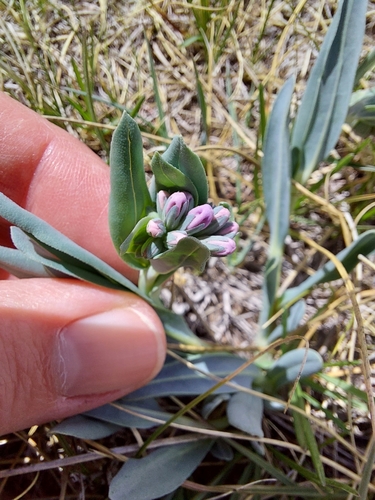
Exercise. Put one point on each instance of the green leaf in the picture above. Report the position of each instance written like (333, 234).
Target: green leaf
(326, 99)
(222, 451)
(176, 327)
(184, 159)
(366, 65)
(364, 245)
(68, 267)
(177, 379)
(69, 255)
(148, 409)
(170, 178)
(276, 170)
(292, 364)
(245, 412)
(295, 316)
(18, 264)
(84, 427)
(188, 252)
(159, 473)
(361, 114)
(129, 198)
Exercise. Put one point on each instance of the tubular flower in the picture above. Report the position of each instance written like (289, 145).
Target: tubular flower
(177, 218)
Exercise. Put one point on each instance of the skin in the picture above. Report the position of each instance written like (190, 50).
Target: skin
(53, 175)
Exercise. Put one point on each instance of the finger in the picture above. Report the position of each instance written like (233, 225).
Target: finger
(50, 173)
(67, 347)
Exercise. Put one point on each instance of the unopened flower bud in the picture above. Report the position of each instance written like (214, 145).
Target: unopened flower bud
(161, 198)
(220, 246)
(173, 237)
(156, 228)
(220, 218)
(221, 215)
(198, 219)
(230, 229)
(175, 209)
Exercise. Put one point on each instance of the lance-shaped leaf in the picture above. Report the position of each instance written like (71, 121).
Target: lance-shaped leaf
(188, 252)
(276, 170)
(363, 245)
(18, 264)
(326, 99)
(177, 379)
(71, 258)
(159, 473)
(130, 198)
(84, 427)
(185, 160)
(276, 173)
(171, 179)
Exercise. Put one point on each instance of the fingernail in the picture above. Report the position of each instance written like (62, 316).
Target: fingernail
(119, 349)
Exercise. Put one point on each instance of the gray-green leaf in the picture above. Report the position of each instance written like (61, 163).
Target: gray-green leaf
(293, 363)
(159, 473)
(130, 198)
(245, 412)
(185, 160)
(84, 427)
(188, 252)
(326, 99)
(171, 178)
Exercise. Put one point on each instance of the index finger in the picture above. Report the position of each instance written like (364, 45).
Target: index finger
(53, 175)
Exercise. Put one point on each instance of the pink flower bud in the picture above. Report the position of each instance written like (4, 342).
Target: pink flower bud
(156, 228)
(174, 237)
(220, 246)
(230, 229)
(198, 219)
(221, 215)
(175, 209)
(161, 198)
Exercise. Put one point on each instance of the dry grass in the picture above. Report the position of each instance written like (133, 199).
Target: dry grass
(80, 64)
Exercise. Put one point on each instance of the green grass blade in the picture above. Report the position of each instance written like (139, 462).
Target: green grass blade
(162, 129)
(366, 65)
(303, 429)
(367, 472)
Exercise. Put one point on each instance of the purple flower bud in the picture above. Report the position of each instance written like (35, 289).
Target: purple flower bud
(221, 215)
(198, 219)
(174, 237)
(230, 229)
(219, 246)
(175, 209)
(161, 198)
(156, 228)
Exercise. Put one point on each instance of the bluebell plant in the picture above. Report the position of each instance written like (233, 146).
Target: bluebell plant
(172, 222)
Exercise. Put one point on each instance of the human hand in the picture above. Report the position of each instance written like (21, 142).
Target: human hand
(65, 346)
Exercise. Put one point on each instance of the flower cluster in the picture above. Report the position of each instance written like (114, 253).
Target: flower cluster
(177, 218)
